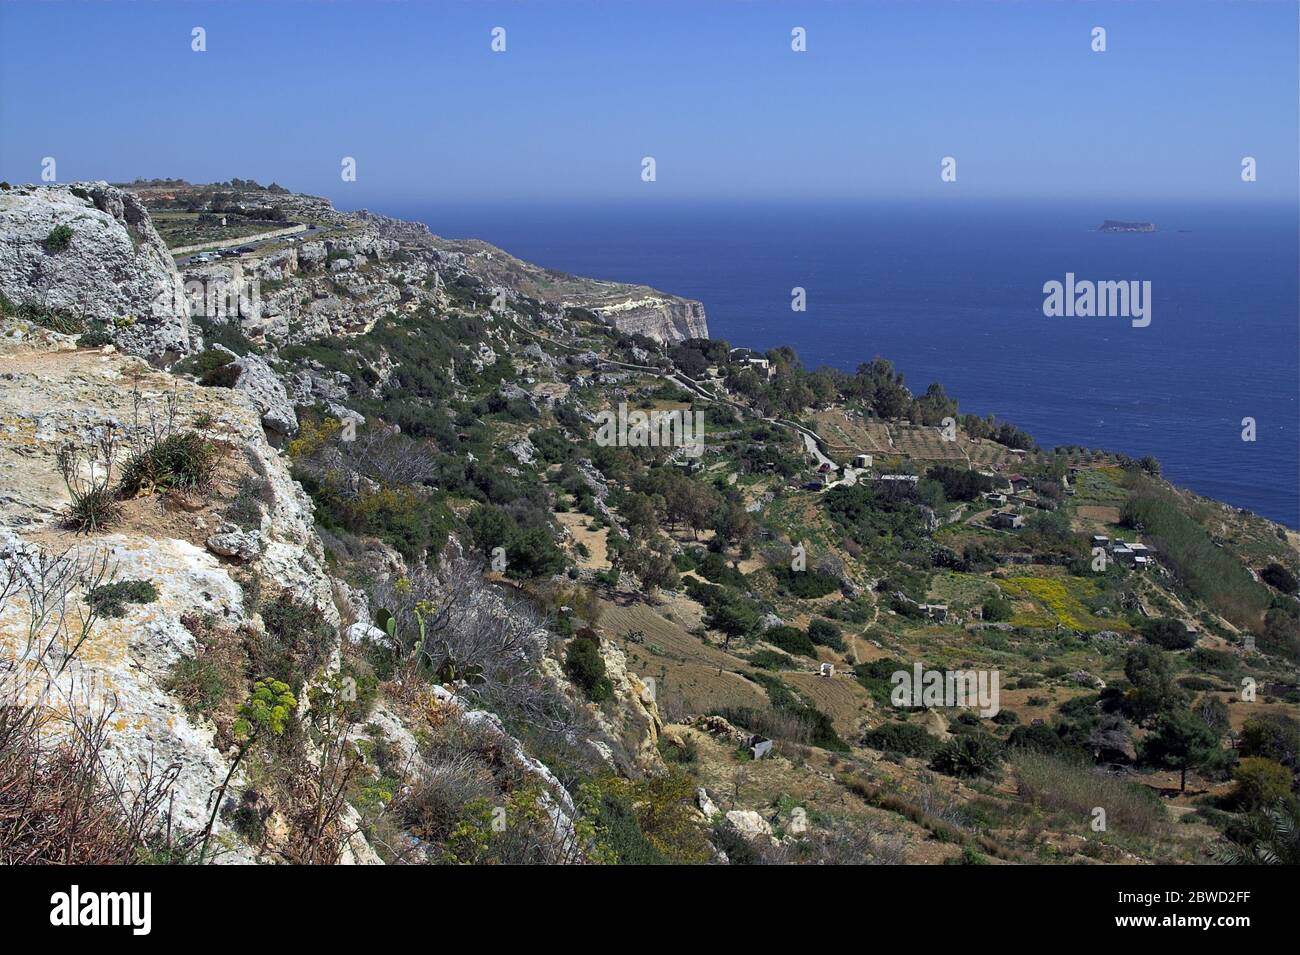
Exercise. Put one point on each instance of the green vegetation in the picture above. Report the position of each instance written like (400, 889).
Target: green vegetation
(586, 668)
(184, 461)
(60, 238)
(1210, 573)
(110, 600)
(906, 739)
(968, 756)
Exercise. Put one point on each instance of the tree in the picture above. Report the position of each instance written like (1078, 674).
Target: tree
(1181, 740)
(825, 633)
(1153, 688)
(1214, 712)
(1279, 578)
(1168, 634)
(1268, 837)
(641, 513)
(652, 565)
(1260, 782)
(1274, 736)
(697, 505)
(997, 608)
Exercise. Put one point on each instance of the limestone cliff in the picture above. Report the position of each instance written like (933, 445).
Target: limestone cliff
(110, 265)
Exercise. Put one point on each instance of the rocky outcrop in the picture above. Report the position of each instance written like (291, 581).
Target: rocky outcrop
(54, 396)
(266, 391)
(113, 267)
(629, 308)
(364, 265)
(661, 317)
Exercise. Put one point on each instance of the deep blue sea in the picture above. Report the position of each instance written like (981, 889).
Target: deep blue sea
(952, 292)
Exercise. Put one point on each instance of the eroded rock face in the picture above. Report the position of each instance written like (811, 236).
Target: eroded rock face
(264, 388)
(115, 267)
(53, 397)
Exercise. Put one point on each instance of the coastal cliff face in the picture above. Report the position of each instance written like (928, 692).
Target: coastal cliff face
(112, 268)
(198, 554)
(227, 582)
(335, 279)
(359, 580)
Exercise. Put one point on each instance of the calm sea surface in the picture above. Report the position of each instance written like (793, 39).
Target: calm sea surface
(952, 292)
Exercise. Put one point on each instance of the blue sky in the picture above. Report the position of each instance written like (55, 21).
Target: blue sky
(711, 90)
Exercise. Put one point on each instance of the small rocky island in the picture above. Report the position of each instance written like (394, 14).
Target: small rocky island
(1117, 225)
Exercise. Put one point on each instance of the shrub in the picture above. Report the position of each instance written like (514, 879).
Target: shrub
(203, 362)
(88, 476)
(95, 338)
(56, 319)
(1167, 633)
(296, 641)
(60, 238)
(876, 677)
(1260, 782)
(436, 801)
(968, 756)
(201, 683)
(1273, 736)
(826, 634)
(110, 600)
(905, 738)
(770, 660)
(997, 608)
(791, 640)
(586, 668)
(1279, 578)
(223, 376)
(805, 584)
(184, 461)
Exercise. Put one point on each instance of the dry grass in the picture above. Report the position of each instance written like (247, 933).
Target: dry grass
(1078, 790)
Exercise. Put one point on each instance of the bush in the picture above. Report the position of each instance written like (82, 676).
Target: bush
(586, 668)
(1279, 578)
(95, 338)
(1167, 633)
(297, 641)
(183, 462)
(968, 756)
(1260, 782)
(1274, 736)
(826, 634)
(791, 640)
(110, 600)
(997, 608)
(204, 361)
(876, 678)
(805, 584)
(770, 660)
(223, 376)
(88, 476)
(1076, 789)
(60, 238)
(202, 682)
(907, 739)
